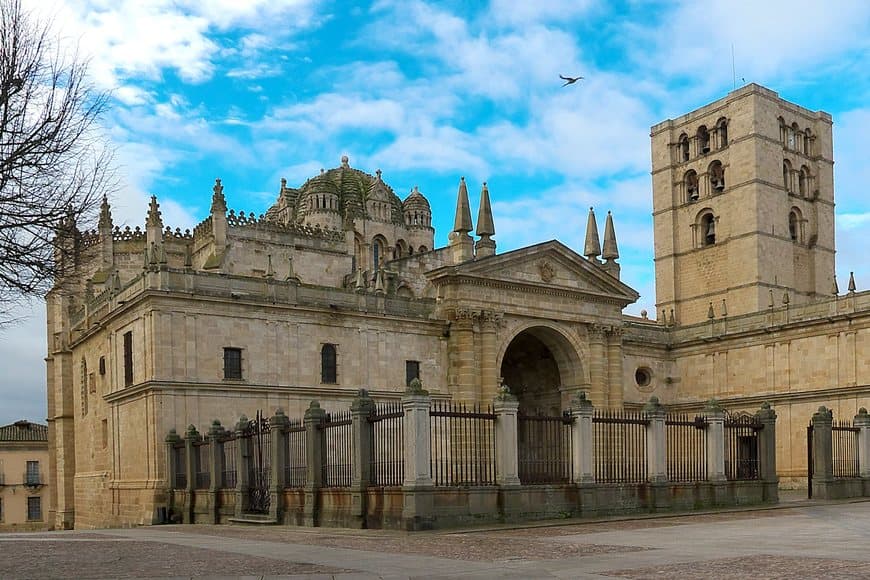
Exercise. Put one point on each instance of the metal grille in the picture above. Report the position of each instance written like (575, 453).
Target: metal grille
(388, 444)
(202, 456)
(179, 459)
(295, 465)
(687, 447)
(620, 446)
(844, 439)
(741, 446)
(230, 451)
(463, 445)
(337, 450)
(544, 448)
(259, 435)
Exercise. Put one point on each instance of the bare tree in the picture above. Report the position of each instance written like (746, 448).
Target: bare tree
(55, 165)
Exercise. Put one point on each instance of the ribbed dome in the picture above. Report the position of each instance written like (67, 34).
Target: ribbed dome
(416, 202)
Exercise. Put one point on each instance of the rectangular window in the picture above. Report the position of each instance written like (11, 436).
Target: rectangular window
(34, 509)
(31, 477)
(328, 364)
(128, 358)
(232, 363)
(412, 371)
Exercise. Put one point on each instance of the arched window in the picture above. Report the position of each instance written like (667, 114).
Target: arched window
(684, 147)
(378, 253)
(707, 225)
(722, 127)
(328, 364)
(803, 181)
(793, 225)
(401, 249)
(717, 176)
(786, 175)
(691, 182)
(792, 136)
(808, 143)
(422, 250)
(703, 139)
(783, 131)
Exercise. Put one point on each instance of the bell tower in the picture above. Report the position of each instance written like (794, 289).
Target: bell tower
(743, 206)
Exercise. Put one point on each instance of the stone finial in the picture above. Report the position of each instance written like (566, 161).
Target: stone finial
(580, 401)
(154, 218)
(216, 429)
(172, 436)
(785, 298)
(242, 423)
(415, 387)
(291, 273)
(766, 412)
(710, 314)
(504, 393)
(835, 290)
(672, 320)
(345, 162)
(314, 412)
(485, 225)
(462, 219)
(823, 414)
(360, 281)
(362, 403)
(592, 247)
(191, 432)
(611, 251)
(862, 419)
(116, 282)
(218, 201)
(380, 286)
(713, 406)
(852, 286)
(283, 183)
(724, 309)
(270, 271)
(279, 419)
(105, 223)
(653, 406)
(378, 174)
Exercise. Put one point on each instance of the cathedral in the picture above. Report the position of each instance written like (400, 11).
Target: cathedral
(339, 286)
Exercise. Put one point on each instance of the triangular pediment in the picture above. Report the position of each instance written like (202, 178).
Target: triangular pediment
(549, 264)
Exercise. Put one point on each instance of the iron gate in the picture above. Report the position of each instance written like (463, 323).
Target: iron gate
(259, 436)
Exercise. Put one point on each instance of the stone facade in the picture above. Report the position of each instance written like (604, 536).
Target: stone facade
(24, 477)
(338, 287)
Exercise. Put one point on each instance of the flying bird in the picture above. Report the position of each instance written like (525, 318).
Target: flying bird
(569, 80)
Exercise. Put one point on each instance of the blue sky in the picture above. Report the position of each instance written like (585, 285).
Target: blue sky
(252, 91)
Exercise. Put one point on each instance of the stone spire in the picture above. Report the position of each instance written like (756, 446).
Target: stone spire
(592, 247)
(852, 285)
(218, 201)
(219, 218)
(105, 223)
(485, 227)
(461, 243)
(107, 243)
(462, 221)
(154, 223)
(611, 251)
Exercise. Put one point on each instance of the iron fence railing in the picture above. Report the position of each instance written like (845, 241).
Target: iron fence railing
(295, 467)
(544, 448)
(844, 440)
(230, 451)
(337, 450)
(462, 445)
(202, 464)
(741, 446)
(388, 444)
(620, 446)
(179, 460)
(686, 448)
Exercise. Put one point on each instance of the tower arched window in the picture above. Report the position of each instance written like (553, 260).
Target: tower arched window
(707, 225)
(703, 137)
(803, 181)
(717, 176)
(783, 131)
(808, 143)
(328, 364)
(684, 147)
(378, 252)
(793, 225)
(691, 183)
(786, 175)
(792, 136)
(722, 128)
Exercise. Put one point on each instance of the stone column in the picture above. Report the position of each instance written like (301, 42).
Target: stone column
(418, 487)
(362, 407)
(190, 437)
(767, 452)
(488, 371)
(715, 441)
(656, 455)
(597, 388)
(172, 439)
(506, 452)
(215, 453)
(862, 422)
(314, 416)
(583, 450)
(823, 454)
(278, 431)
(243, 455)
(462, 343)
(615, 395)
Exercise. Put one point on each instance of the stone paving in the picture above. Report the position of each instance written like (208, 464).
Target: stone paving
(802, 540)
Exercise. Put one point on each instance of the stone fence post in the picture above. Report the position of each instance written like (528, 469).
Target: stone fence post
(582, 441)
(862, 422)
(278, 432)
(823, 453)
(506, 407)
(314, 416)
(216, 434)
(190, 437)
(656, 454)
(172, 440)
(361, 409)
(767, 452)
(243, 454)
(417, 489)
(715, 441)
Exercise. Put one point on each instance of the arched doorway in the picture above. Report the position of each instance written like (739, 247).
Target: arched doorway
(539, 365)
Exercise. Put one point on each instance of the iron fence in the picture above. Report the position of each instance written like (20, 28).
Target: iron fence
(295, 465)
(202, 463)
(544, 446)
(844, 439)
(337, 450)
(388, 444)
(463, 444)
(686, 447)
(620, 446)
(741, 446)
(258, 434)
(179, 458)
(229, 452)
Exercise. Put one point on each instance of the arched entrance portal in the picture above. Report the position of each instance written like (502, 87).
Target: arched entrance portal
(538, 366)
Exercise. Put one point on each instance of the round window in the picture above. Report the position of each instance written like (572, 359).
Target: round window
(643, 377)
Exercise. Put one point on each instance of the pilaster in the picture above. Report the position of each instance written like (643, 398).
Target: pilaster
(616, 391)
(314, 416)
(418, 505)
(362, 407)
(823, 460)
(278, 430)
(597, 366)
(489, 322)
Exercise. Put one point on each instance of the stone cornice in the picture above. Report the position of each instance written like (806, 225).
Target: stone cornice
(787, 397)
(529, 287)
